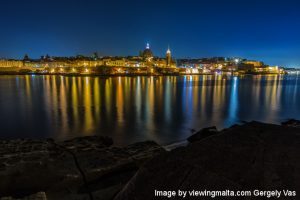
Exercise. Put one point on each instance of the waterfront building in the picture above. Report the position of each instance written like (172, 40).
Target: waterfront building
(134, 63)
(254, 63)
(11, 63)
(87, 63)
(118, 62)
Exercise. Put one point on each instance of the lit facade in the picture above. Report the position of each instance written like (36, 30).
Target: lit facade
(11, 63)
(254, 63)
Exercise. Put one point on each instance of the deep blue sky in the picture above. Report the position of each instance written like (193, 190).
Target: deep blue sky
(267, 30)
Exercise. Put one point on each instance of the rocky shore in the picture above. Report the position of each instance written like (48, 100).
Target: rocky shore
(75, 169)
(249, 157)
(243, 157)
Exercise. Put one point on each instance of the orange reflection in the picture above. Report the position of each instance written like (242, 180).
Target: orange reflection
(87, 99)
(63, 104)
(120, 101)
(75, 102)
(97, 97)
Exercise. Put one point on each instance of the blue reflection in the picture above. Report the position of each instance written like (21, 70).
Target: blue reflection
(167, 102)
(233, 105)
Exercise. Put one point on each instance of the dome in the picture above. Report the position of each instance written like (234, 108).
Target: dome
(147, 53)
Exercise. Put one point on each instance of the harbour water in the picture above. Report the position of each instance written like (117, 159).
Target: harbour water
(165, 109)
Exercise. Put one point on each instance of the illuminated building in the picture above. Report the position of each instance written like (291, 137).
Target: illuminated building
(11, 63)
(254, 63)
(88, 63)
(116, 62)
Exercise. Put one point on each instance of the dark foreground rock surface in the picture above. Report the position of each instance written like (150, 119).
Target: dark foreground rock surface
(244, 157)
(29, 168)
(292, 123)
(204, 133)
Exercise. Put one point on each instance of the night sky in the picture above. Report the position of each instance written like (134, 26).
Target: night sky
(267, 30)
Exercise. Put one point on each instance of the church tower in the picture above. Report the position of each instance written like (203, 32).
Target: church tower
(168, 58)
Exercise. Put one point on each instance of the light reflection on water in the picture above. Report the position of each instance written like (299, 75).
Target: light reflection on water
(131, 109)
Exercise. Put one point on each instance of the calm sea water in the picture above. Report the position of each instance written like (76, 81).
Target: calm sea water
(131, 109)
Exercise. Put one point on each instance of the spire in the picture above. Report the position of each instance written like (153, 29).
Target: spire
(168, 51)
(147, 46)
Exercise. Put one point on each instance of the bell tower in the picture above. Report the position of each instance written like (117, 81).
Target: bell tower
(168, 58)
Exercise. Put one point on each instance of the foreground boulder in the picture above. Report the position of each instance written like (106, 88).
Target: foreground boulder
(72, 169)
(253, 156)
(204, 133)
(292, 123)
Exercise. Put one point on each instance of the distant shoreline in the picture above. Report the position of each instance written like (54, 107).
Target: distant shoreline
(130, 75)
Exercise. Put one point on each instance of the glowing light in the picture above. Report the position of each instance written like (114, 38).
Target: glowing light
(73, 69)
(192, 71)
(168, 51)
(61, 69)
(52, 71)
(195, 71)
(147, 46)
(206, 70)
(218, 73)
(236, 60)
(86, 70)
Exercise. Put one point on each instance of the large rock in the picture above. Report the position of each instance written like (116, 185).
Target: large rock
(246, 157)
(292, 123)
(204, 133)
(31, 166)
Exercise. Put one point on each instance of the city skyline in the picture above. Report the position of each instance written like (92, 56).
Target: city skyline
(256, 30)
(140, 54)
